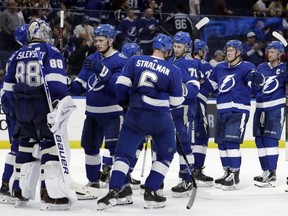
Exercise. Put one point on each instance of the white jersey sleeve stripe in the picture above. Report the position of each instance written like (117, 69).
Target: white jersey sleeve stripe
(124, 81)
(8, 86)
(53, 77)
(176, 101)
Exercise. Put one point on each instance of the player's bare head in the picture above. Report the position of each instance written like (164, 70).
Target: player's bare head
(181, 43)
(39, 31)
(149, 13)
(275, 51)
(163, 43)
(104, 36)
(233, 49)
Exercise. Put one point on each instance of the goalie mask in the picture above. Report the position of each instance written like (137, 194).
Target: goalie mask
(39, 31)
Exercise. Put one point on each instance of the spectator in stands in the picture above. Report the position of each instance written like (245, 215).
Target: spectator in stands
(194, 6)
(262, 7)
(252, 52)
(75, 60)
(157, 9)
(93, 9)
(44, 9)
(256, 11)
(126, 31)
(9, 22)
(84, 29)
(221, 8)
(275, 8)
(147, 28)
(120, 13)
(218, 57)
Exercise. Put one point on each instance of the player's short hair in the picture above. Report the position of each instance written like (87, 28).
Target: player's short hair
(21, 34)
(162, 42)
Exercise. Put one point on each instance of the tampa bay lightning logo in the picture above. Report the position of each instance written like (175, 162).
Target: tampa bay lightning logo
(271, 84)
(94, 84)
(226, 83)
(132, 31)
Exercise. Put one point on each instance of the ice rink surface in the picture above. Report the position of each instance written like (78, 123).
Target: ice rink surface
(248, 200)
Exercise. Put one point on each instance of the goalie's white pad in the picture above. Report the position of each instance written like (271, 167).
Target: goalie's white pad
(55, 184)
(58, 119)
(28, 179)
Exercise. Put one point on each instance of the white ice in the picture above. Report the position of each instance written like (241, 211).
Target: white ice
(248, 200)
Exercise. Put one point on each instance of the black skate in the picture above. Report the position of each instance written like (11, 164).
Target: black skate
(105, 176)
(109, 200)
(219, 181)
(159, 191)
(5, 196)
(183, 189)
(201, 179)
(81, 196)
(267, 179)
(135, 184)
(231, 181)
(125, 197)
(50, 204)
(20, 201)
(153, 200)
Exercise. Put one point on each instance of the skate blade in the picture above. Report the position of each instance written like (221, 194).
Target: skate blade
(20, 204)
(204, 184)
(5, 199)
(229, 188)
(104, 184)
(154, 205)
(101, 206)
(86, 197)
(125, 201)
(54, 207)
(265, 184)
(135, 186)
(181, 195)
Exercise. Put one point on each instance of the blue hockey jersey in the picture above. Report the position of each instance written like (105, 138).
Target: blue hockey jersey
(126, 30)
(149, 82)
(234, 91)
(272, 93)
(24, 67)
(100, 97)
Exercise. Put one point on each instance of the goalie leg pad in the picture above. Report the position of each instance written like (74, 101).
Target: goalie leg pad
(28, 179)
(55, 184)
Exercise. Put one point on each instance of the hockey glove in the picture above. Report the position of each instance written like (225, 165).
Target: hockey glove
(98, 68)
(257, 79)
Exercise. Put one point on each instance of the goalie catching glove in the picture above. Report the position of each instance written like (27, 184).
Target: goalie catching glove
(56, 119)
(100, 70)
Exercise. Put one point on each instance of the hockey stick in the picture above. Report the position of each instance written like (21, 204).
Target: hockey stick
(284, 42)
(204, 21)
(194, 188)
(145, 154)
(59, 139)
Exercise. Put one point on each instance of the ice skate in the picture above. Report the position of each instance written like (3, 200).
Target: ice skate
(81, 196)
(183, 189)
(153, 200)
(20, 201)
(50, 204)
(231, 181)
(159, 191)
(105, 176)
(125, 197)
(109, 200)
(218, 182)
(135, 184)
(5, 196)
(267, 179)
(201, 179)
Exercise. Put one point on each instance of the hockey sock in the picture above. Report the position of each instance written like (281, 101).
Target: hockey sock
(234, 155)
(223, 156)
(262, 152)
(272, 152)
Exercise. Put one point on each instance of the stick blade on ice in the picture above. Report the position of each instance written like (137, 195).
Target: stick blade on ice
(192, 198)
(202, 23)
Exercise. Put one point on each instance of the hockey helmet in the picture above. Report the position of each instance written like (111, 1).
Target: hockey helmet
(130, 49)
(21, 34)
(162, 42)
(39, 30)
(105, 30)
(237, 44)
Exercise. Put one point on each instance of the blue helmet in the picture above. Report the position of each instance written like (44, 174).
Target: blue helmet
(276, 45)
(162, 42)
(105, 30)
(234, 43)
(182, 37)
(200, 45)
(21, 34)
(130, 49)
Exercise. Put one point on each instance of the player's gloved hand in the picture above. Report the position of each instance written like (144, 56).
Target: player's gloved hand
(184, 90)
(69, 81)
(284, 74)
(52, 115)
(257, 79)
(94, 65)
(201, 77)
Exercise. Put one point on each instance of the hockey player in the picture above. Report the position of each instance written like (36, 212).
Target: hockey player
(231, 79)
(20, 35)
(269, 82)
(181, 114)
(149, 85)
(201, 127)
(103, 113)
(25, 91)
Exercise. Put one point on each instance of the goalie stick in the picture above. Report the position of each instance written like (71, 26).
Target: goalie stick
(59, 138)
(284, 42)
